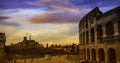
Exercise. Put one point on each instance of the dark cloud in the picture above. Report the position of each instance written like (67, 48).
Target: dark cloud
(3, 17)
(68, 17)
(8, 23)
(11, 4)
(58, 17)
(94, 3)
(55, 4)
(3, 22)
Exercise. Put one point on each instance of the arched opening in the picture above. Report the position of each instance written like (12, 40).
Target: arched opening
(101, 55)
(88, 54)
(119, 26)
(87, 38)
(83, 38)
(92, 36)
(80, 37)
(111, 55)
(99, 32)
(93, 54)
(86, 22)
(109, 29)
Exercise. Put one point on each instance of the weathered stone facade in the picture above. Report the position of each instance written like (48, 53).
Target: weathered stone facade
(99, 36)
(2, 46)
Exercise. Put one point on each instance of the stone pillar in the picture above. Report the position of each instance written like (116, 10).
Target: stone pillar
(2, 46)
(97, 56)
(117, 54)
(80, 38)
(95, 33)
(89, 26)
(85, 37)
(82, 54)
(115, 25)
(89, 37)
(86, 54)
(90, 55)
(2, 53)
(106, 56)
(104, 30)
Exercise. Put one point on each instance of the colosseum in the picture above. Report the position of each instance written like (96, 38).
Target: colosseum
(99, 36)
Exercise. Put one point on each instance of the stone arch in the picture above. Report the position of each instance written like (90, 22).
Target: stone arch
(80, 37)
(92, 35)
(101, 55)
(88, 54)
(87, 37)
(109, 29)
(83, 37)
(93, 54)
(111, 56)
(119, 27)
(99, 32)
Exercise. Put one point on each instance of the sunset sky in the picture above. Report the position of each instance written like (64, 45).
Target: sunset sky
(48, 21)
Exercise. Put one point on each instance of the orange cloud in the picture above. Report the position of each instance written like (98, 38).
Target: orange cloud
(54, 4)
(57, 17)
(39, 19)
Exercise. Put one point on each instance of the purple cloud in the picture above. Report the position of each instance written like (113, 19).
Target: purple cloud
(3, 22)
(94, 3)
(58, 17)
(3, 17)
(54, 4)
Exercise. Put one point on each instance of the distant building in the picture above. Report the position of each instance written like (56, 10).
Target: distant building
(27, 44)
(47, 45)
(2, 45)
(99, 36)
(55, 46)
(71, 48)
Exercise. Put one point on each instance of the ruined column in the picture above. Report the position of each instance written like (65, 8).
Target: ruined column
(115, 25)
(95, 33)
(104, 34)
(104, 30)
(97, 56)
(90, 55)
(2, 46)
(89, 37)
(106, 58)
(85, 37)
(89, 25)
